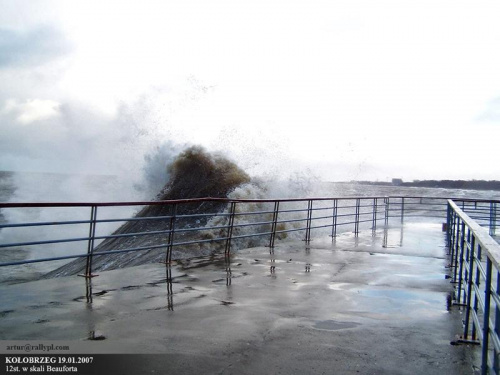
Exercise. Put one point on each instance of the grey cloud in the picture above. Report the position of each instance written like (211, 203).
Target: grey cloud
(32, 47)
(77, 139)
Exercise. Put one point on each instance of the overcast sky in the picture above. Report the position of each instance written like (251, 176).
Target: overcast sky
(346, 89)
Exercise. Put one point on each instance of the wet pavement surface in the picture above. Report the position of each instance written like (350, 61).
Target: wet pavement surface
(378, 303)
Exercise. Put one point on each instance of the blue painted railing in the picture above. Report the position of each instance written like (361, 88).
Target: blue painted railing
(475, 264)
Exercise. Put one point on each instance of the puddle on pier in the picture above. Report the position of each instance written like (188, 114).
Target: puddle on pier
(334, 325)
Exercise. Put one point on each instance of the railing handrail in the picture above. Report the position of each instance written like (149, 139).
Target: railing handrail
(222, 200)
(488, 244)
(475, 256)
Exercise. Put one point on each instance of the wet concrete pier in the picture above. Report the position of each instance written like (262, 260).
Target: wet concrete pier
(377, 303)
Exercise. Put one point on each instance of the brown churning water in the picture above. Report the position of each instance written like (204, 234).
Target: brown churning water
(195, 173)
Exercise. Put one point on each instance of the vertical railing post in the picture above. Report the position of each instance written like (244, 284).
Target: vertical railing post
(171, 233)
(456, 229)
(385, 238)
(453, 228)
(486, 318)
(374, 214)
(477, 283)
(469, 287)
(456, 248)
(461, 263)
(496, 360)
(309, 220)
(468, 249)
(356, 217)
(387, 203)
(493, 218)
(230, 226)
(334, 216)
(402, 209)
(90, 245)
(274, 223)
(451, 240)
(448, 224)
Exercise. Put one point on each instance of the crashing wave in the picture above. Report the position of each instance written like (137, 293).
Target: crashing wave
(195, 173)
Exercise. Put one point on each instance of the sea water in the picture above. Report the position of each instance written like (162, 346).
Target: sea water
(23, 187)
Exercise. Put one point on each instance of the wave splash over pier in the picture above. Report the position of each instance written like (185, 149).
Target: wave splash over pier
(194, 173)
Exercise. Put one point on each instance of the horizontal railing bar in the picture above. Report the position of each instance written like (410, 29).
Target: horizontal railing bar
(368, 221)
(254, 213)
(142, 218)
(290, 230)
(430, 216)
(169, 202)
(477, 291)
(44, 223)
(290, 221)
(114, 236)
(343, 207)
(293, 210)
(152, 247)
(478, 264)
(422, 208)
(426, 204)
(138, 234)
(496, 297)
(321, 226)
(344, 215)
(478, 210)
(164, 232)
(31, 243)
(108, 252)
(365, 213)
(252, 235)
(330, 225)
(494, 337)
(353, 222)
(29, 261)
(466, 265)
(322, 217)
(211, 199)
(476, 214)
(479, 331)
(249, 224)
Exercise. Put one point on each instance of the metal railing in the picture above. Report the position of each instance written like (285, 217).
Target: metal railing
(180, 224)
(485, 213)
(475, 264)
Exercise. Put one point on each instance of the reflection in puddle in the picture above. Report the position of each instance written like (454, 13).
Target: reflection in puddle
(407, 304)
(385, 241)
(338, 286)
(170, 292)
(402, 295)
(229, 273)
(334, 325)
